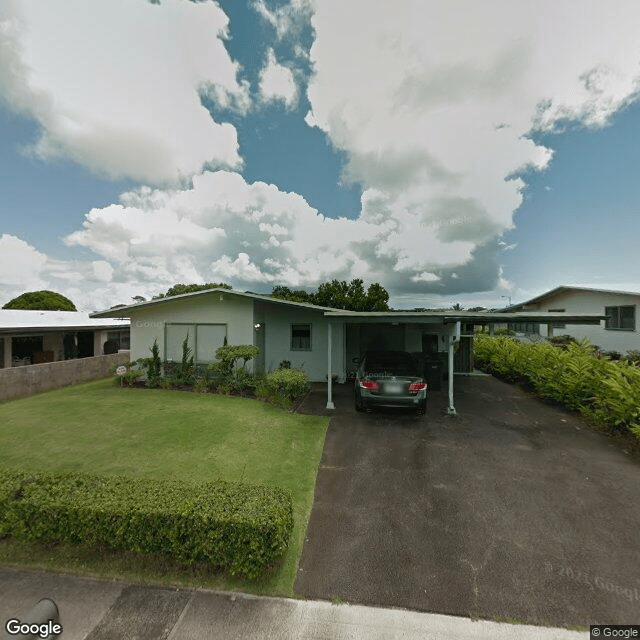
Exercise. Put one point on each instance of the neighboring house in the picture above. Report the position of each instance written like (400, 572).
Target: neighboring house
(319, 340)
(619, 331)
(34, 337)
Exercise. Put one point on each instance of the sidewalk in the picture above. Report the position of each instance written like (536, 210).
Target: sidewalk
(93, 609)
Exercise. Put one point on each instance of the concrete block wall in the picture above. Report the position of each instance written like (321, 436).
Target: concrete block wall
(17, 382)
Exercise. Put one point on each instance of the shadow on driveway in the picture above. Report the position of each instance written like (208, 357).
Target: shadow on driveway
(512, 510)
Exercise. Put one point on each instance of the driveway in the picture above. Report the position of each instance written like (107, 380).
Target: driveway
(512, 510)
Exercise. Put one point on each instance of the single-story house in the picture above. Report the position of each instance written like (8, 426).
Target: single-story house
(320, 340)
(617, 332)
(33, 337)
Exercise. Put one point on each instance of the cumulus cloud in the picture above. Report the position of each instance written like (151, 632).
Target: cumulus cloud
(434, 105)
(89, 284)
(115, 86)
(277, 82)
(289, 19)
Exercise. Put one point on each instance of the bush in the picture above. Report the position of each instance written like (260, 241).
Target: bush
(133, 372)
(284, 385)
(238, 527)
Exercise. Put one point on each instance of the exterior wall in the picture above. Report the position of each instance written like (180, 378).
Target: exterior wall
(17, 382)
(278, 318)
(149, 324)
(593, 302)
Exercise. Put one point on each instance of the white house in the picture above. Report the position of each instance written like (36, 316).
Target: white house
(617, 332)
(33, 337)
(319, 340)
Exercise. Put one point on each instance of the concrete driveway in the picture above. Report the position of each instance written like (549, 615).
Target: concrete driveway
(512, 510)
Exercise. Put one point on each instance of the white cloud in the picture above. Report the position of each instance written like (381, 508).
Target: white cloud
(287, 19)
(277, 82)
(115, 86)
(88, 284)
(431, 103)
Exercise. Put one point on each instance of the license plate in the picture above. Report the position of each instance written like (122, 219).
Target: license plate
(393, 388)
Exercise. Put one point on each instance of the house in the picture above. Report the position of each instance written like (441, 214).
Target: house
(34, 337)
(320, 340)
(617, 332)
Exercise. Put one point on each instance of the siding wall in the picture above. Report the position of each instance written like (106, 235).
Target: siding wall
(149, 324)
(278, 318)
(594, 302)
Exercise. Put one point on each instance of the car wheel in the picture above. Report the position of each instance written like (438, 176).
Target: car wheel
(422, 408)
(359, 406)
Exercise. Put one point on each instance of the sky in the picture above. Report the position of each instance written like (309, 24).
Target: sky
(454, 152)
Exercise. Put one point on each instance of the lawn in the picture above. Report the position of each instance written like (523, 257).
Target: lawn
(104, 429)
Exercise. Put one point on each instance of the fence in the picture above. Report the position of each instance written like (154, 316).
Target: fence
(16, 382)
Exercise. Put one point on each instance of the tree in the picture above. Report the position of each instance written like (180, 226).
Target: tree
(340, 295)
(284, 293)
(179, 289)
(41, 300)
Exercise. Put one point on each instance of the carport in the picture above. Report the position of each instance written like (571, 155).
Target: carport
(425, 332)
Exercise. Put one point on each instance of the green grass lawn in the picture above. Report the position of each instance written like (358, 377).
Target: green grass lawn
(102, 428)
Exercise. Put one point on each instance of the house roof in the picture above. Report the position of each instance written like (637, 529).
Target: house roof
(12, 320)
(446, 316)
(126, 311)
(564, 289)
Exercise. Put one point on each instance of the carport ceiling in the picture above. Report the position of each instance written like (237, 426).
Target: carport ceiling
(468, 317)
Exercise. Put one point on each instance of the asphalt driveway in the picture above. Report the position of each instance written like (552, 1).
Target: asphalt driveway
(512, 510)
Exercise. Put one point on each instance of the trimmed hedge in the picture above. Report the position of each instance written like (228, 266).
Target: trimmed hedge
(606, 391)
(238, 527)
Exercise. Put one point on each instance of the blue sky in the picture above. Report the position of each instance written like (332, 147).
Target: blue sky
(452, 152)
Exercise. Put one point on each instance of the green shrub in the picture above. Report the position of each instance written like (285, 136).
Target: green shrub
(228, 356)
(239, 527)
(133, 372)
(284, 385)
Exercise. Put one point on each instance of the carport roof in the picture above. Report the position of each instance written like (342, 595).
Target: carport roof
(469, 317)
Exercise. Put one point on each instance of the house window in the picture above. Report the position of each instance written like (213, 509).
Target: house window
(300, 337)
(204, 340)
(622, 318)
(558, 325)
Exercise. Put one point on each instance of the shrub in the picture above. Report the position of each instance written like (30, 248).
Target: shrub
(186, 371)
(228, 355)
(238, 527)
(133, 372)
(153, 366)
(284, 385)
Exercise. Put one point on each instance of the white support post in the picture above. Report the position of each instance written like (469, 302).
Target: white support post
(330, 404)
(451, 410)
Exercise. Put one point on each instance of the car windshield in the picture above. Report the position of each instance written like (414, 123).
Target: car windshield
(389, 364)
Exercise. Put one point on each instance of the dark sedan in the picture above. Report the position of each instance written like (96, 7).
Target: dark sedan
(389, 379)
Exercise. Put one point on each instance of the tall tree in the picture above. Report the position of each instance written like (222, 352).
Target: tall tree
(340, 295)
(41, 300)
(179, 289)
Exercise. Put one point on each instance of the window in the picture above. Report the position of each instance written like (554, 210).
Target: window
(558, 325)
(300, 337)
(204, 340)
(623, 318)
